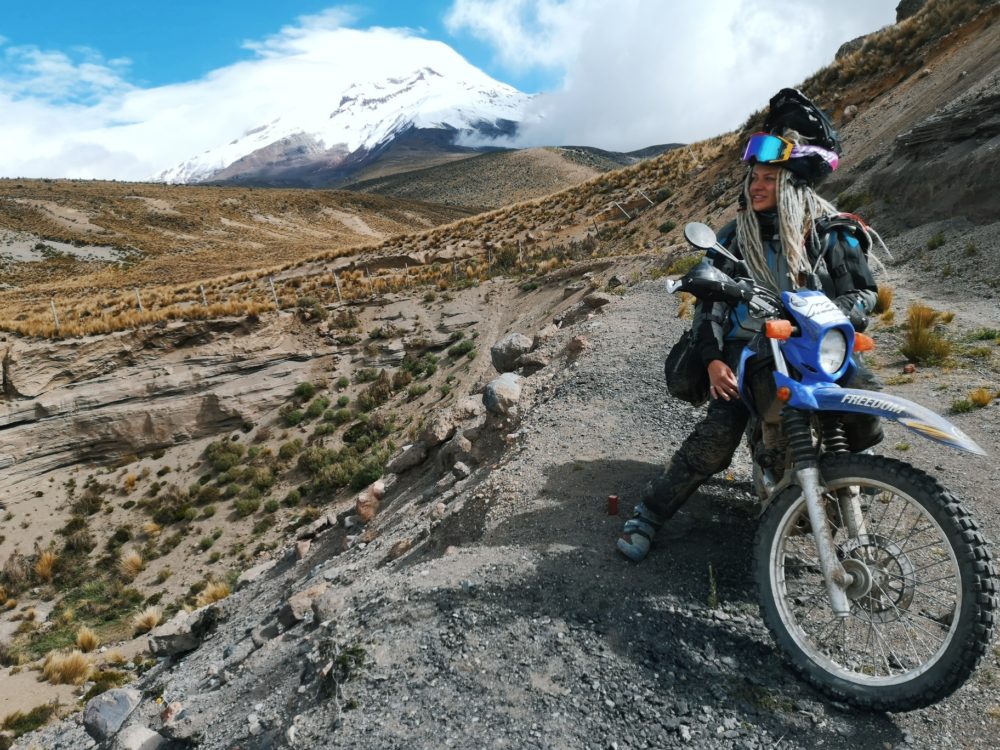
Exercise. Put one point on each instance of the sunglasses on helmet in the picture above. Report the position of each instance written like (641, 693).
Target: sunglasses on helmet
(768, 148)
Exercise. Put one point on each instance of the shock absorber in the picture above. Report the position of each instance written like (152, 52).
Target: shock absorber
(799, 435)
(834, 438)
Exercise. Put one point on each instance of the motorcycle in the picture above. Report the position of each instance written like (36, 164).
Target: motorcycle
(873, 579)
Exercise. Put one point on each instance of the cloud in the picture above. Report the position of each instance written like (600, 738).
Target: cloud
(639, 72)
(73, 114)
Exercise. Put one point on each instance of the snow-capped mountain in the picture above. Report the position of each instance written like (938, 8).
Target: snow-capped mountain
(375, 91)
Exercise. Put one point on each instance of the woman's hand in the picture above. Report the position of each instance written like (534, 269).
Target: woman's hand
(722, 380)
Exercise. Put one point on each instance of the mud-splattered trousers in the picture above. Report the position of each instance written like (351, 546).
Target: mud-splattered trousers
(706, 451)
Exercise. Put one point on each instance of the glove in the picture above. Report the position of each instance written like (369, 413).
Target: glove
(852, 306)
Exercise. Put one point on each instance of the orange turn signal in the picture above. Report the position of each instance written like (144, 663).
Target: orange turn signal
(863, 343)
(784, 394)
(778, 329)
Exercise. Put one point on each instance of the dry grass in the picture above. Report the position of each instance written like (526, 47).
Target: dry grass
(151, 529)
(883, 302)
(212, 593)
(72, 668)
(923, 344)
(981, 397)
(45, 566)
(130, 564)
(146, 620)
(87, 640)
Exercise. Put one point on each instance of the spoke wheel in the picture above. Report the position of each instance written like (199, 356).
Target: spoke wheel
(923, 594)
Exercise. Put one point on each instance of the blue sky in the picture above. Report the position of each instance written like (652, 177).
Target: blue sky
(115, 89)
(186, 39)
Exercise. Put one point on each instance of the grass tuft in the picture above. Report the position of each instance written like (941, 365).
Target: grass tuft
(981, 397)
(87, 640)
(130, 564)
(146, 620)
(45, 566)
(71, 668)
(212, 593)
(923, 344)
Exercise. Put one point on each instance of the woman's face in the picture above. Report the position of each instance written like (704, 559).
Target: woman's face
(764, 187)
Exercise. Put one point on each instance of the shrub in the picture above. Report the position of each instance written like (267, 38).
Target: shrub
(417, 390)
(86, 640)
(375, 394)
(984, 334)
(923, 344)
(21, 723)
(667, 226)
(461, 348)
(936, 241)
(292, 498)
(224, 454)
(146, 620)
(365, 375)
(293, 417)
(343, 401)
(342, 382)
(317, 407)
(304, 391)
(271, 506)
(961, 406)
(401, 379)
(246, 506)
(683, 265)
(290, 450)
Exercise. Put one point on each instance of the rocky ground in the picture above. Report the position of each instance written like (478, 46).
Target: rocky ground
(496, 613)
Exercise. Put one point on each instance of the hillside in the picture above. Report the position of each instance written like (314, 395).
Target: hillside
(489, 181)
(478, 601)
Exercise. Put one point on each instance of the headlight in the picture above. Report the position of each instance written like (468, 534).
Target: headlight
(832, 351)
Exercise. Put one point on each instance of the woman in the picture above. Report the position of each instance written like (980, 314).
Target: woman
(785, 241)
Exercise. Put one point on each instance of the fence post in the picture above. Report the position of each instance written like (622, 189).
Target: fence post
(622, 210)
(647, 198)
(270, 283)
(336, 280)
(138, 299)
(519, 254)
(204, 301)
(55, 316)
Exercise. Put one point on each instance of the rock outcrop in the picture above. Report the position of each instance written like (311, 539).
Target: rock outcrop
(105, 397)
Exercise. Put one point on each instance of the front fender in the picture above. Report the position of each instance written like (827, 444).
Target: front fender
(911, 415)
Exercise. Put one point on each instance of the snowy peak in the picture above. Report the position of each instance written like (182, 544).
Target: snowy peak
(368, 98)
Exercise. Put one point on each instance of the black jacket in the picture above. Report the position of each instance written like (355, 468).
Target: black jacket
(842, 274)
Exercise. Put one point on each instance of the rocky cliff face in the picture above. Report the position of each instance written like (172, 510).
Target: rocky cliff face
(106, 397)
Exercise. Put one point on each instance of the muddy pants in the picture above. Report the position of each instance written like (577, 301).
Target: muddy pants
(706, 451)
(710, 447)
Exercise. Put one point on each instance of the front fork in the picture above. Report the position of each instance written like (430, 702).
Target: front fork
(838, 580)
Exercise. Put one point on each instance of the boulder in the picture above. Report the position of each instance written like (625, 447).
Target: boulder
(327, 606)
(459, 448)
(544, 336)
(850, 112)
(183, 632)
(508, 350)
(502, 394)
(468, 408)
(138, 737)
(577, 344)
(317, 527)
(300, 604)
(253, 574)
(367, 502)
(596, 300)
(411, 455)
(534, 361)
(105, 713)
(440, 427)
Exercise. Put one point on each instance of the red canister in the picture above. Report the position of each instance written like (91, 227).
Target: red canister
(612, 505)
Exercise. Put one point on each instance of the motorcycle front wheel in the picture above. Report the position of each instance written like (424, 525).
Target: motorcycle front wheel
(923, 596)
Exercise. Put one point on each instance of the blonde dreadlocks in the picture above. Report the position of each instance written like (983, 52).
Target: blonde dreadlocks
(799, 208)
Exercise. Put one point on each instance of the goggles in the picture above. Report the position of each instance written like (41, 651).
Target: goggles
(773, 149)
(768, 148)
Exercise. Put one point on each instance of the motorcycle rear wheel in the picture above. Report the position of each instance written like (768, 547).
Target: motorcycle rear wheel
(922, 613)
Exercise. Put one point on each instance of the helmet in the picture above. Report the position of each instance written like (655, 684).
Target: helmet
(815, 157)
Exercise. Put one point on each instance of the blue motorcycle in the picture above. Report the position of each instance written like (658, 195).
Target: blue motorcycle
(874, 580)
